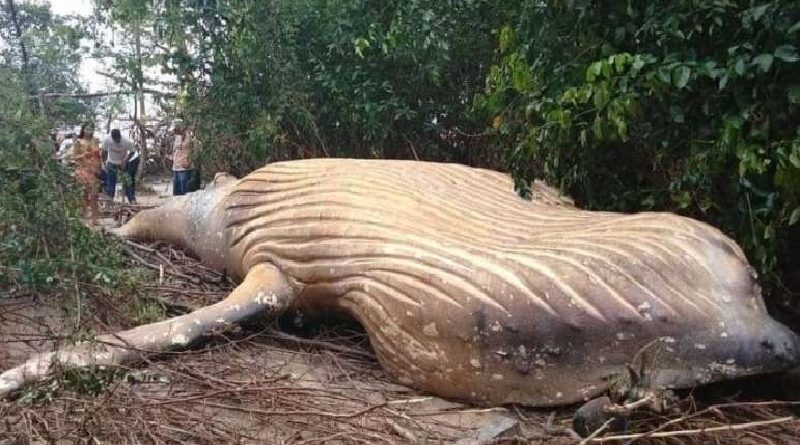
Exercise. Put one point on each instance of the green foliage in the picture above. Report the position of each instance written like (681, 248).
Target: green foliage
(692, 106)
(42, 239)
(51, 58)
(287, 79)
(92, 381)
(146, 310)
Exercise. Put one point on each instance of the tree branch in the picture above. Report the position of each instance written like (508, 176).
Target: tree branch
(123, 81)
(12, 9)
(86, 95)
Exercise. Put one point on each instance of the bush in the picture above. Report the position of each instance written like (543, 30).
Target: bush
(691, 106)
(42, 238)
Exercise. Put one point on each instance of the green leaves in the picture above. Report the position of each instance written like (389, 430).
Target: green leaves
(593, 71)
(600, 95)
(739, 66)
(794, 217)
(764, 62)
(359, 45)
(506, 37)
(681, 75)
(787, 53)
(794, 94)
(668, 109)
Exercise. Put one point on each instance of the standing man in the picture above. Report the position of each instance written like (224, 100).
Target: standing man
(117, 149)
(181, 165)
(130, 175)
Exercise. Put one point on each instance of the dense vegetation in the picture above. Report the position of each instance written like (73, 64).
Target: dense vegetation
(689, 106)
(44, 246)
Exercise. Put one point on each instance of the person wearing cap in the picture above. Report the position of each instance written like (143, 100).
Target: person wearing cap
(118, 150)
(182, 170)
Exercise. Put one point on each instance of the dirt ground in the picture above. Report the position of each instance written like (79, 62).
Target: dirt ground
(278, 382)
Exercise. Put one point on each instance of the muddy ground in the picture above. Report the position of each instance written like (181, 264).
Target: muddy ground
(291, 381)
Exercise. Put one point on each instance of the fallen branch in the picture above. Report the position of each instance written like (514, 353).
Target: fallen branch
(715, 408)
(320, 344)
(728, 428)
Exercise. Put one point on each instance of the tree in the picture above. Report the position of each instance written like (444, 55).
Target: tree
(133, 51)
(46, 51)
(285, 79)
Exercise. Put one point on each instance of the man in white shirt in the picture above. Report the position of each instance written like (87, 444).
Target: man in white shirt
(117, 149)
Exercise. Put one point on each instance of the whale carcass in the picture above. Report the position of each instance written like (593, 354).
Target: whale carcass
(465, 289)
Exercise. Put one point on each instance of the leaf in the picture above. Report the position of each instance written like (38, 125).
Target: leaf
(794, 159)
(739, 67)
(794, 28)
(506, 36)
(619, 63)
(601, 96)
(787, 53)
(681, 75)
(677, 114)
(723, 81)
(764, 61)
(684, 199)
(663, 74)
(795, 216)
(521, 77)
(622, 128)
(606, 69)
(585, 93)
(794, 94)
(593, 71)
(759, 11)
(597, 128)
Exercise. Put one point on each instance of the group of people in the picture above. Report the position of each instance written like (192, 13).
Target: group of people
(99, 166)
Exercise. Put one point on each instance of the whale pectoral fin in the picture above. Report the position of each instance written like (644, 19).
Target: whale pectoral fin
(264, 290)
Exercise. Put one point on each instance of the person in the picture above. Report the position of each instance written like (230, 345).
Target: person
(88, 163)
(118, 150)
(182, 170)
(131, 168)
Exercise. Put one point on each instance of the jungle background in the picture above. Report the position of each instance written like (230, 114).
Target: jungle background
(688, 106)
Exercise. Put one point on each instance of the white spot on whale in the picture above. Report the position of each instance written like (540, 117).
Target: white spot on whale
(179, 339)
(430, 330)
(267, 299)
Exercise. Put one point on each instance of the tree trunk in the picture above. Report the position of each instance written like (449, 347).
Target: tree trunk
(140, 95)
(12, 11)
